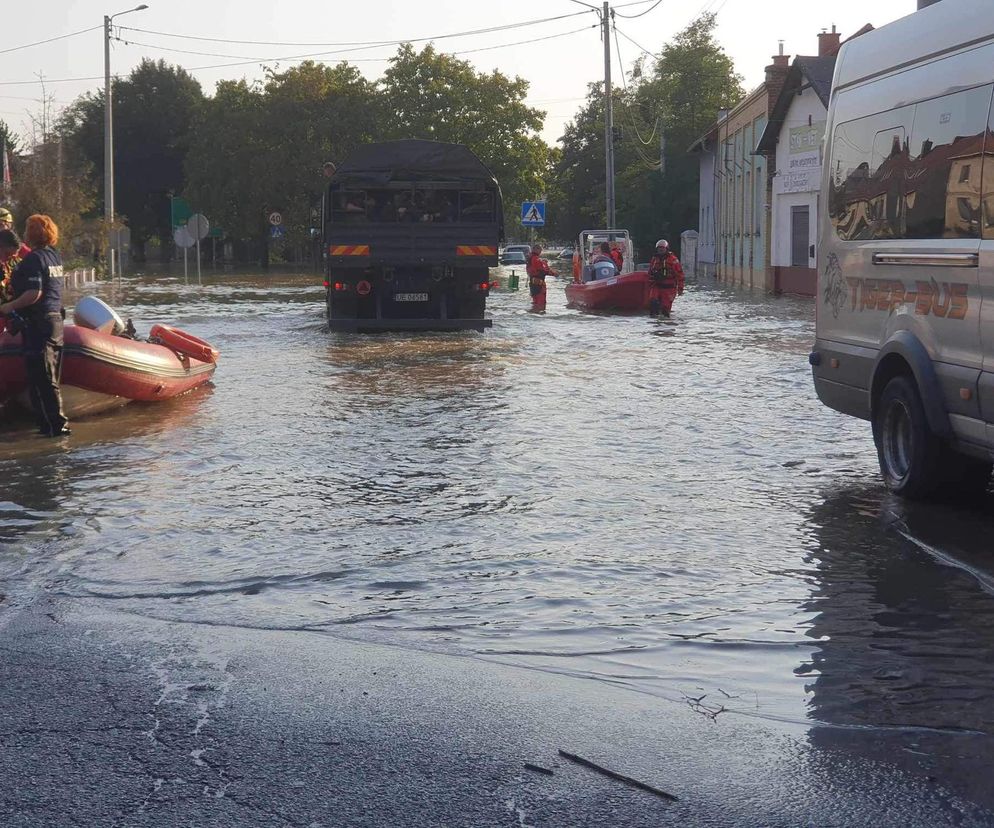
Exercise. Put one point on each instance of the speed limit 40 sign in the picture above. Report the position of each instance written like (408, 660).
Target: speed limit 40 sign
(275, 219)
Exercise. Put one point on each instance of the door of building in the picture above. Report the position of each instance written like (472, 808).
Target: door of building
(799, 236)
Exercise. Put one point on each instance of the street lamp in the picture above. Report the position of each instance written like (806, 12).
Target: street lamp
(109, 139)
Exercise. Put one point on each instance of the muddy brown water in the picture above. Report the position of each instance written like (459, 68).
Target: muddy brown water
(661, 505)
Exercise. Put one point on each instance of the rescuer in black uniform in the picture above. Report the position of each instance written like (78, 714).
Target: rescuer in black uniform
(36, 285)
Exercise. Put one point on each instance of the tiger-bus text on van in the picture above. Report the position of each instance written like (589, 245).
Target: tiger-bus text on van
(945, 300)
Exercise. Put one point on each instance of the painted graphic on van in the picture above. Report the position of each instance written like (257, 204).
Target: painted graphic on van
(836, 292)
(943, 299)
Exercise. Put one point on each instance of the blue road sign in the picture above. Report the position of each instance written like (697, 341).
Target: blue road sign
(277, 231)
(533, 213)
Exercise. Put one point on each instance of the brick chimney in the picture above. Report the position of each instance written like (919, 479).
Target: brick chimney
(829, 43)
(776, 76)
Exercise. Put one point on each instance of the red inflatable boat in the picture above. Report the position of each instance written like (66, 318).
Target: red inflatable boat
(101, 371)
(596, 289)
(628, 293)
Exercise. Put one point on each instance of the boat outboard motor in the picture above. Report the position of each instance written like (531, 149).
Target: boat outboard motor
(604, 270)
(95, 314)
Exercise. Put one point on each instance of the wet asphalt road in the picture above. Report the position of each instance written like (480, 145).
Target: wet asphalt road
(645, 543)
(112, 723)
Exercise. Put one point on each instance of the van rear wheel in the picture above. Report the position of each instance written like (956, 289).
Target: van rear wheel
(910, 454)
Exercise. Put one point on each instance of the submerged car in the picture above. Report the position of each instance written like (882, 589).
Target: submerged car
(514, 257)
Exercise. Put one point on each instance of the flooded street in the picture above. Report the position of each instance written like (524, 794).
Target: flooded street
(663, 507)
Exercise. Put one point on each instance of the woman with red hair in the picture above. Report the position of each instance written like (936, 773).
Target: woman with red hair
(36, 285)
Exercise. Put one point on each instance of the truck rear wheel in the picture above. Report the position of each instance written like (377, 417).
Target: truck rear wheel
(910, 454)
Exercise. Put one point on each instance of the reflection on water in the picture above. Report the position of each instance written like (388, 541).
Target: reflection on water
(905, 655)
(674, 513)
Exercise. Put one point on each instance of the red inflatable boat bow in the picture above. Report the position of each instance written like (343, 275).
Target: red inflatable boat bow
(184, 343)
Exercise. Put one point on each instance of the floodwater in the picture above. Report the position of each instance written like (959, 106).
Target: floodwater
(661, 505)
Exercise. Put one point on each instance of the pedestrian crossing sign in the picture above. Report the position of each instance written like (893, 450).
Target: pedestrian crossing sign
(533, 213)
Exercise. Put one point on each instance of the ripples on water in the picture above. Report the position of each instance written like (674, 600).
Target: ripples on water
(660, 504)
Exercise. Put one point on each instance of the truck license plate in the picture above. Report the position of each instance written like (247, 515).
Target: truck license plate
(410, 297)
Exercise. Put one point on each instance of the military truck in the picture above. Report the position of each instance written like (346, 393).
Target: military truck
(412, 229)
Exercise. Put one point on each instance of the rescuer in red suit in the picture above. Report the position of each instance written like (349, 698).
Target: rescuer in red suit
(666, 274)
(537, 269)
(617, 256)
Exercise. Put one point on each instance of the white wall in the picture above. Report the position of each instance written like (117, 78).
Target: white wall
(805, 106)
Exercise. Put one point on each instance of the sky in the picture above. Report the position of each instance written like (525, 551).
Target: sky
(558, 68)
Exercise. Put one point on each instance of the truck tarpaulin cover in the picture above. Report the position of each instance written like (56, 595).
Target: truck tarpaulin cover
(411, 160)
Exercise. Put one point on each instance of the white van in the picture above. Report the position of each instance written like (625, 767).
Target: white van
(905, 306)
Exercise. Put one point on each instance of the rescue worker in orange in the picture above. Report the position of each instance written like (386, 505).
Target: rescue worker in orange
(666, 274)
(617, 256)
(537, 269)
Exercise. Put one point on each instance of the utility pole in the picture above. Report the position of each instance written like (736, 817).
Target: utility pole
(109, 139)
(108, 152)
(608, 117)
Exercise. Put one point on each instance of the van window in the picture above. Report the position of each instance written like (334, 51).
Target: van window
(886, 185)
(947, 145)
(867, 169)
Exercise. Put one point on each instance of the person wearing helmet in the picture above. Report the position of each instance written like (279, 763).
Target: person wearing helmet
(666, 274)
(6, 219)
(537, 269)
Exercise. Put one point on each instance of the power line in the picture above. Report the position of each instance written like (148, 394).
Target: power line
(633, 16)
(488, 30)
(624, 101)
(243, 59)
(522, 42)
(250, 60)
(626, 37)
(365, 45)
(49, 40)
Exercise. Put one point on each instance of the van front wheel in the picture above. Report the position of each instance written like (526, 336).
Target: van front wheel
(909, 453)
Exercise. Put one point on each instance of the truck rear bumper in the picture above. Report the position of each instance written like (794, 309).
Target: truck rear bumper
(374, 325)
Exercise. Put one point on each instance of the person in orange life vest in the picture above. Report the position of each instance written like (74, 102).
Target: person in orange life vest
(537, 269)
(666, 274)
(617, 256)
(12, 250)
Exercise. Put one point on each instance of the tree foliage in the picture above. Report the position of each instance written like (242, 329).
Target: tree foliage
(260, 147)
(155, 110)
(50, 180)
(8, 139)
(679, 93)
(441, 98)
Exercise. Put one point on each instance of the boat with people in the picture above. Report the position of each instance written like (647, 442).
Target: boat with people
(105, 365)
(598, 284)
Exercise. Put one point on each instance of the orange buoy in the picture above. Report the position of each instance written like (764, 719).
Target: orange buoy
(185, 343)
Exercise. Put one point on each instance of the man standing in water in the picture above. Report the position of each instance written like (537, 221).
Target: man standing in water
(666, 274)
(537, 269)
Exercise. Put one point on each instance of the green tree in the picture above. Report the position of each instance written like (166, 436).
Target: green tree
(260, 147)
(154, 119)
(50, 180)
(679, 93)
(8, 139)
(441, 98)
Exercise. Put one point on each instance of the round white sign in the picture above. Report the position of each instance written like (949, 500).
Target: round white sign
(183, 237)
(275, 219)
(198, 226)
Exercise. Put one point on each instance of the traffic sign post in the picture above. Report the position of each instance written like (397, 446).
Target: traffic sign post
(184, 239)
(275, 218)
(533, 214)
(198, 226)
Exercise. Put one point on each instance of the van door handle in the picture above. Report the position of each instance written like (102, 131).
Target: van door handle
(927, 259)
